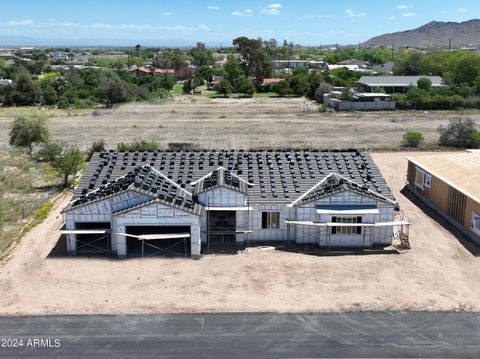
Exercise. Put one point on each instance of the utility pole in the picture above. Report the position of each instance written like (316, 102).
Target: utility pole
(393, 50)
(450, 45)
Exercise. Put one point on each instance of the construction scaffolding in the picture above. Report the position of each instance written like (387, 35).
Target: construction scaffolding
(322, 231)
(146, 238)
(90, 246)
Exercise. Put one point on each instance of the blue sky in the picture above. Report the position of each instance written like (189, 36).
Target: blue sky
(184, 22)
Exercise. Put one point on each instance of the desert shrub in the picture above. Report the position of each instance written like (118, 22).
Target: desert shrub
(457, 133)
(50, 151)
(97, 146)
(139, 144)
(412, 139)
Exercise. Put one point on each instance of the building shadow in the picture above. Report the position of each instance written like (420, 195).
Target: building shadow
(314, 250)
(466, 242)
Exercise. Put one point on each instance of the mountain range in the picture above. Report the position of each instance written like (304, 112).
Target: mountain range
(434, 34)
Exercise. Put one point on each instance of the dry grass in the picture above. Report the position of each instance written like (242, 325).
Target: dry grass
(239, 123)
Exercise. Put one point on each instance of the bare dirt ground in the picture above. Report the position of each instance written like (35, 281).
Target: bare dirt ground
(438, 273)
(240, 123)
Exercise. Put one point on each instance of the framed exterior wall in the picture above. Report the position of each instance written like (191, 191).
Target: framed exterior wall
(155, 214)
(367, 237)
(222, 197)
(98, 212)
(270, 233)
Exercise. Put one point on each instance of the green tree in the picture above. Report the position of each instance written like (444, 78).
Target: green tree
(29, 130)
(69, 163)
(112, 90)
(49, 95)
(282, 88)
(253, 57)
(27, 92)
(225, 87)
(412, 138)
(232, 69)
(245, 86)
(424, 83)
(205, 72)
(201, 55)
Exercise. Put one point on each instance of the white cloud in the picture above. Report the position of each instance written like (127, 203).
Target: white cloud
(351, 13)
(247, 12)
(310, 17)
(403, 7)
(99, 27)
(216, 8)
(392, 17)
(19, 23)
(168, 13)
(272, 9)
(409, 14)
(462, 10)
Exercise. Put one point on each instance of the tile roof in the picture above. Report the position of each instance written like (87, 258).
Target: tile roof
(278, 176)
(142, 179)
(221, 178)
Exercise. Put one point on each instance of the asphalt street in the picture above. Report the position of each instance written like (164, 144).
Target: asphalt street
(243, 335)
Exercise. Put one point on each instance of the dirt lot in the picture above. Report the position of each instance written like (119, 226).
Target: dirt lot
(240, 123)
(438, 273)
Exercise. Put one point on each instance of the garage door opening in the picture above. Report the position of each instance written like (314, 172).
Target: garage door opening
(93, 238)
(158, 241)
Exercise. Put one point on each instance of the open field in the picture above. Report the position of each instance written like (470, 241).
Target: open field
(440, 272)
(25, 185)
(239, 123)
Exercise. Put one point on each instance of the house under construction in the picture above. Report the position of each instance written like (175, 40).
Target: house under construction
(148, 203)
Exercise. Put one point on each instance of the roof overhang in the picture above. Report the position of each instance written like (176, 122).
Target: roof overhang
(229, 208)
(347, 210)
(86, 231)
(332, 224)
(151, 237)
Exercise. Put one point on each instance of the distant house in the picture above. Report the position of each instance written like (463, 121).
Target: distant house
(360, 102)
(272, 80)
(352, 67)
(385, 69)
(360, 63)
(59, 56)
(148, 71)
(216, 80)
(394, 84)
(308, 64)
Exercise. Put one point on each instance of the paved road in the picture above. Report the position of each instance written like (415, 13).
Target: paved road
(248, 335)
